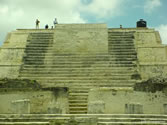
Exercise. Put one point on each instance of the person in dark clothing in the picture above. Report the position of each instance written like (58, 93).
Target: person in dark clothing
(46, 26)
(37, 24)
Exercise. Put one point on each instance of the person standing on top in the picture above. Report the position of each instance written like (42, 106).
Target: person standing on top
(37, 24)
(55, 22)
(46, 26)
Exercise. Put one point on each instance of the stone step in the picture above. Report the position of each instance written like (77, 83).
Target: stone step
(119, 39)
(51, 49)
(24, 123)
(54, 56)
(122, 42)
(61, 55)
(43, 33)
(121, 47)
(77, 104)
(39, 38)
(79, 101)
(122, 52)
(162, 116)
(38, 45)
(75, 72)
(52, 68)
(83, 83)
(78, 91)
(42, 51)
(78, 95)
(79, 76)
(41, 41)
(91, 85)
(53, 77)
(120, 32)
(76, 57)
(131, 119)
(130, 50)
(78, 108)
(80, 60)
(89, 80)
(125, 73)
(38, 49)
(35, 120)
(120, 36)
(82, 64)
(78, 112)
(127, 41)
(71, 76)
(78, 98)
(131, 123)
(36, 66)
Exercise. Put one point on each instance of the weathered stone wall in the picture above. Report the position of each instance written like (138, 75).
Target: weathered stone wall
(151, 53)
(68, 38)
(80, 38)
(39, 101)
(117, 100)
(11, 54)
(152, 56)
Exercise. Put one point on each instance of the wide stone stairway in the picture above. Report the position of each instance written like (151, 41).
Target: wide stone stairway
(87, 119)
(80, 72)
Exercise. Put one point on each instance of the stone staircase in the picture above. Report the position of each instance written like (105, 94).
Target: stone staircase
(80, 72)
(78, 100)
(83, 119)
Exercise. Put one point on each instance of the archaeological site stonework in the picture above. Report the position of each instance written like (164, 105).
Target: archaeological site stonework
(83, 74)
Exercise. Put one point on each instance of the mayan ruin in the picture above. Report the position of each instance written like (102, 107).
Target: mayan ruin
(83, 74)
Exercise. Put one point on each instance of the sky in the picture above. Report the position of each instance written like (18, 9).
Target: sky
(22, 14)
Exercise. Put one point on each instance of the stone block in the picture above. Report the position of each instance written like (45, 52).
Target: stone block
(86, 121)
(165, 108)
(54, 110)
(21, 106)
(133, 108)
(96, 107)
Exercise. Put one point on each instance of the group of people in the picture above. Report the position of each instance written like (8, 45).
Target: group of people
(46, 26)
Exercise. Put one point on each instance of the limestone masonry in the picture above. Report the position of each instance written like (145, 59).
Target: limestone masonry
(83, 74)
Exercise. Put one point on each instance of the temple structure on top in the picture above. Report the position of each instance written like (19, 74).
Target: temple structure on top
(84, 69)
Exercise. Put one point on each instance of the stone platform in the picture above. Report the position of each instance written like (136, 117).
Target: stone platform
(117, 75)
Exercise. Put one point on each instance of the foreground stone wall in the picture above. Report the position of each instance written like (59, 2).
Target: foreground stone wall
(126, 100)
(29, 101)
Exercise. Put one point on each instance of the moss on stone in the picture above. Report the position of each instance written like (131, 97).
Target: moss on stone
(19, 83)
(153, 84)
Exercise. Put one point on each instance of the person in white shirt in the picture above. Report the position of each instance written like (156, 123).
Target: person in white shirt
(55, 22)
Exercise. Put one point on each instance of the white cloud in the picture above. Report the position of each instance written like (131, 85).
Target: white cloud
(151, 5)
(3, 9)
(163, 32)
(23, 13)
(17, 14)
(103, 8)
